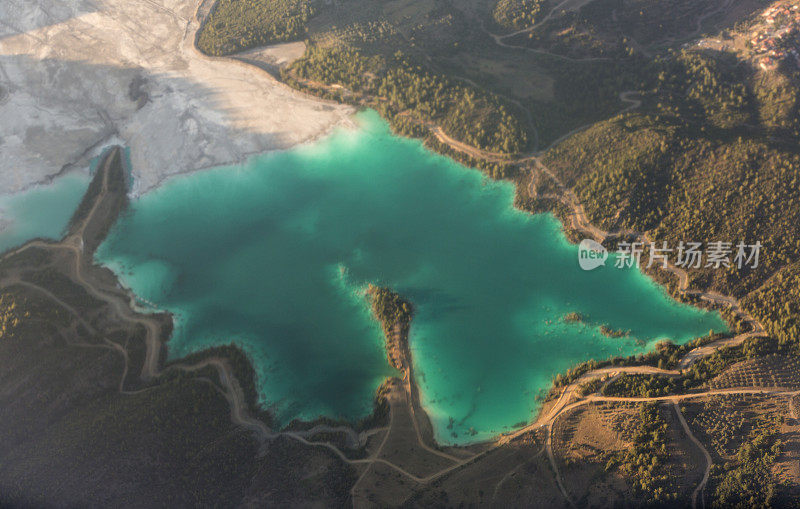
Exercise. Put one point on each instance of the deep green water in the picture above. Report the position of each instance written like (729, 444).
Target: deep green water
(275, 256)
(42, 211)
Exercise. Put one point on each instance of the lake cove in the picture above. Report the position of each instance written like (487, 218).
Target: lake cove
(275, 256)
(41, 211)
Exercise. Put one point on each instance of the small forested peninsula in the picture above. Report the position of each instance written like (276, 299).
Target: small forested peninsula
(394, 314)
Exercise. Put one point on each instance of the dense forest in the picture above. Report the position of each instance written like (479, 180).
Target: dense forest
(237, 25)
(583, 94)
(682, 187)
(606, 28)
(708, 158)
(401, 89)
(748, 480)
(651, 21)
(699, 88)
(777, 305)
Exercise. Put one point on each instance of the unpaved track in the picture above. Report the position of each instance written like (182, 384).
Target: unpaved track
(554, 465)
(699, 490)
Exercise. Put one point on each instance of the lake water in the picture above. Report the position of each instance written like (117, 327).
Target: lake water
(275, 255)
(41, 211)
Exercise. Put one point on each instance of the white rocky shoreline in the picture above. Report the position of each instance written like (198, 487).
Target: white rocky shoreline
(81, 75)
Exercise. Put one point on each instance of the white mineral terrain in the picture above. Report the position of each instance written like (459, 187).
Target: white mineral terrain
(77, 75)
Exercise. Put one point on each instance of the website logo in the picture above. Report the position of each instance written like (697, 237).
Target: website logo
(591, 254)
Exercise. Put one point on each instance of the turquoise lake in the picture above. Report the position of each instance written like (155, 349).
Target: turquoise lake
(42, 211)
(275, 255)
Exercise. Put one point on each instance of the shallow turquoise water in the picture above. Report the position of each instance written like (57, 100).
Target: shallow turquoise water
(41, 211)
(275, 255)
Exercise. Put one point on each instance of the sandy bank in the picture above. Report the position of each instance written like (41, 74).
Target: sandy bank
(81, 74)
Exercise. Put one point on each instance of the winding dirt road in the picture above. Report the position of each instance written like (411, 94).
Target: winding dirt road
(699, 490)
